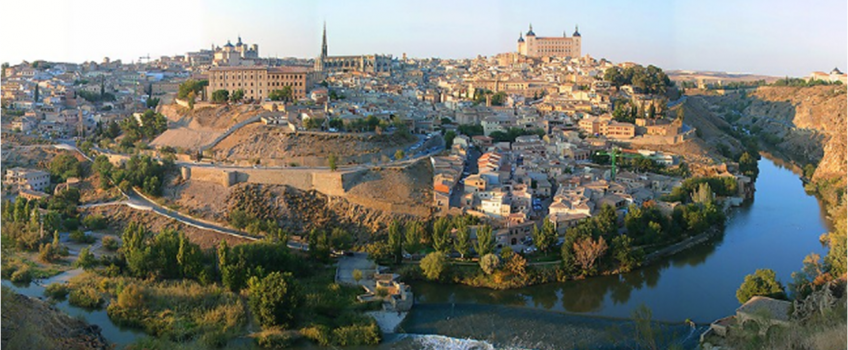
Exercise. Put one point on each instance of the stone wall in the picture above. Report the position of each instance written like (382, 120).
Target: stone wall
(326, 182)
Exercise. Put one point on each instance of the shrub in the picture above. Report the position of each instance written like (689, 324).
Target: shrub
(110, 243)
(86, 260)
(131, 297)
(433, 265)
(57, 291)
(81, 237)
(274, 299)
(21, 275)
(85, 297)
(357, 334)
(489, 263)
(94, 222)
(763, 282)
(319, 334)
(214, 339)
(48, 253)
(274, 339)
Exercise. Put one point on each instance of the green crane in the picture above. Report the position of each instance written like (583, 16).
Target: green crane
(616, 153)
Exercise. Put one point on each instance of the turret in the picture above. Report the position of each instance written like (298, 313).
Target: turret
(576, 32)
(530, 32)
(520, 37)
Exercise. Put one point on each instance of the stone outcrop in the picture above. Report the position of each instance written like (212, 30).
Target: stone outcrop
(34, 324)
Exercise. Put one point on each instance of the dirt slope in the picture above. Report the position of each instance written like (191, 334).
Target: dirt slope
(33, 324)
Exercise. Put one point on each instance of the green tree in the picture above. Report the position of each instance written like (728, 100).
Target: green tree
(545, 238)
(462, 243)
(134, 248)
(274, 299)
(413, 236)
(220, 96)
(485, 241)
(763, 283)
(449, 136)
(332, 159)
(624, 254)
(284, 94)
(191, 85)
(399, 154)
(433, 265)
(64, 166)
(237, 95)
(489, 263)
(86, 259)
(441, 235)
(396, 240)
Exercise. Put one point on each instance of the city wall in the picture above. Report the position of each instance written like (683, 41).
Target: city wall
(326, 182)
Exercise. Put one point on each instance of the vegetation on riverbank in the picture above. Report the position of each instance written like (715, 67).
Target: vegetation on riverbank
(165, 285)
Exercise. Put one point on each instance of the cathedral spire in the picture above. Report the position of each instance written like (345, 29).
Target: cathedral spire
(324, 41)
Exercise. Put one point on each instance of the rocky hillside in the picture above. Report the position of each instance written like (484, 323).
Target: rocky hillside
(33, 324)
(300, 211)
(277, 146)
(806, 124)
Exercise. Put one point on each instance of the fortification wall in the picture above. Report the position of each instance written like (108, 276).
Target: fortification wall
(330, 183)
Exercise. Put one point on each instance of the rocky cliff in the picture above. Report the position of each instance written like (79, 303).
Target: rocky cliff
(806, 124)
(33, 324)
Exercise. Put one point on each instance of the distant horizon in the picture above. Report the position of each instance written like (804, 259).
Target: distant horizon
(756, 37)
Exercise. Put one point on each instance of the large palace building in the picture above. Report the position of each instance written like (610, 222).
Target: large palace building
(258, 81)
(534, 46)
(359, 63)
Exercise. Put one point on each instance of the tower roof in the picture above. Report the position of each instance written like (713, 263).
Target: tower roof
(228, 44)
(835, 71)
(576, 32)
(530, 32)
(520, 37)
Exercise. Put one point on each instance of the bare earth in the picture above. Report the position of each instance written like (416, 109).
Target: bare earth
(278, 146)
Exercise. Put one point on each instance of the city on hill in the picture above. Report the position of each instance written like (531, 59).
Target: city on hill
(222, 197)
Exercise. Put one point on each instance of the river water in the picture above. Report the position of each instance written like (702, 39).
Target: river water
(776, 230)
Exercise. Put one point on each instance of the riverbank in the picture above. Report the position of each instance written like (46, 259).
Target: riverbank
(776, 229)
(30, 323)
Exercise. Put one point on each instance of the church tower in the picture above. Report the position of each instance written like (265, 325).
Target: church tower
(319, 62)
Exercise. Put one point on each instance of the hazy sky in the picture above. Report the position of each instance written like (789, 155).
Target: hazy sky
(758, 36)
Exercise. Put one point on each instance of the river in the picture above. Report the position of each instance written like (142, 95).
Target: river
(776, 230)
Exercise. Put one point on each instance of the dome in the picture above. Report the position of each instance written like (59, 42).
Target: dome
(530, 32)
(520, 38)
(228, 44)
(576, 33)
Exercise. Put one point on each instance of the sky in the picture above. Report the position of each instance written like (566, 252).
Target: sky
(779, 38)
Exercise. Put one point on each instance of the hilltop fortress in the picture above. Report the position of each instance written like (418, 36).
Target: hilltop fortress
(538, 46)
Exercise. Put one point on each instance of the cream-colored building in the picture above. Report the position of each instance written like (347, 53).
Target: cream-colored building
(28, 178)
(235, 55)
(564, 46)
(258, 81)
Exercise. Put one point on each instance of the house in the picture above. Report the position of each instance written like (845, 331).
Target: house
(31, 179)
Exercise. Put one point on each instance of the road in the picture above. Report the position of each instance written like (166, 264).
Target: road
(138, 201)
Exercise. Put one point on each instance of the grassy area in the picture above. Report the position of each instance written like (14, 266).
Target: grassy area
(22, 267)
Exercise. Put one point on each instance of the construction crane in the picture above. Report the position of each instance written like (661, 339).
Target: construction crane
(617, 153)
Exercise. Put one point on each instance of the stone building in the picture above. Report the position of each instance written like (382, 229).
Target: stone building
(28, 178)
(235, 55)
(564, 46)
(258, 81)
